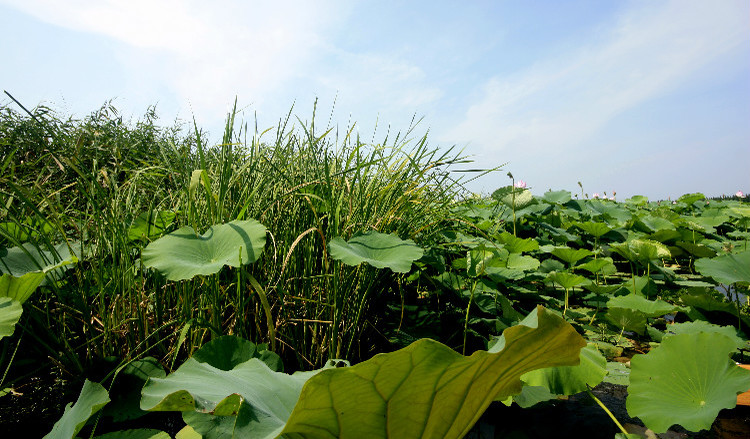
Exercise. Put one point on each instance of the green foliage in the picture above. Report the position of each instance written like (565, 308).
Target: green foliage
(92, 398)
(377, 249)
(183, 254)
(687, 381)
(394, 394)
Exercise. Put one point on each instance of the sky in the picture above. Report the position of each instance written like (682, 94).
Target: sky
(633, 96)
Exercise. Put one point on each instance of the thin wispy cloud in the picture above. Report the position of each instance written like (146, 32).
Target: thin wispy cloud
(554, 107)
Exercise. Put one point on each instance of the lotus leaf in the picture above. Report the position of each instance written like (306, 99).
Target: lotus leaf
(653, 224)
(691, 198)
(524, 263)
(687, 380)
(135, 434)
(637, 200)
(377, 249)
(726, 269)
(92, 398)
(627, 319)
(571, 256)
(183, 254)
(18, 261)
(697, 250)
(702, 326)
(20, 288)
(601, 265)
(10, 314)
(557, 197)
(517, 245)
(513, 197)
(150, 225)
(227, 352)
(651, 308)
(427, 389)
(567, 280)
(569, 380)
(594, 229)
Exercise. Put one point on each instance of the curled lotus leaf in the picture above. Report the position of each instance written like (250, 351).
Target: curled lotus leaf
(427, 389)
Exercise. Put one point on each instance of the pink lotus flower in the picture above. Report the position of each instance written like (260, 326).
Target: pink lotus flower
(520, 184)
(596, 195)
(739, 194)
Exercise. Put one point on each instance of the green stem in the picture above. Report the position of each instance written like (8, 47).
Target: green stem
(604, 407)
(466, 323)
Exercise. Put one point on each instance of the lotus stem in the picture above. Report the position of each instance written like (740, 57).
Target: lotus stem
(604, 407)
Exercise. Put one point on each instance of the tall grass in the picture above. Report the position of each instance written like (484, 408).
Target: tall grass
(86, 180)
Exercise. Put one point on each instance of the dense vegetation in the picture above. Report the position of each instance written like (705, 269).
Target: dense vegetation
(128, 249)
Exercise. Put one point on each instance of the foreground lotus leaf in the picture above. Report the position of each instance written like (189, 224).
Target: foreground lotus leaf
(703, 326)
(380, 250)
(92, 398)
(183, 254)
(427, 389)
(687, 380)
(726, 269)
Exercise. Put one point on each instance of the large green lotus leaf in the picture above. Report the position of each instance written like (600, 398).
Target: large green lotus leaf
(653, 224)
(637, 200)
(601, 265)
(524, 263)
(569, 255)
(150, 225)
(569, 380)
(20, 288)
(567, 280)
(183, 254)
(18, 261)
(593, 228)
(627, 319)
(509, 196)
(697, 250)
(92, 398)
(10, 314)
(691, 198)
(651, 308)
(480, 258)
(643, 250)
(687, 380)
(514, 244)
(665, 235)
(377, 249)
(726, 269)
(228, 351)
(248, 400)
(557, 197)
(702, 326)
(141, 433)
(427, 389)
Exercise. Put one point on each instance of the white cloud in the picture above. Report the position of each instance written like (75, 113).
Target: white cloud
(557, 104)
(206, 53)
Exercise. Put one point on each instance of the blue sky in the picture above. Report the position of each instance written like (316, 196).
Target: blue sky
(637, 97)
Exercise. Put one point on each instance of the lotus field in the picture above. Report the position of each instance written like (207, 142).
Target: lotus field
(303, 282)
